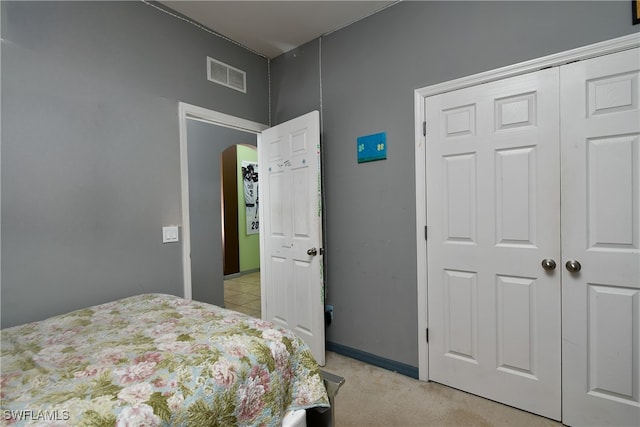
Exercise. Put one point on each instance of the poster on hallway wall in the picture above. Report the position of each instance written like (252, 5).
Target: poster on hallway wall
(250, 180)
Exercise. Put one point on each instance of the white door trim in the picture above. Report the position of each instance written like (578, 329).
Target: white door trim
(188, 111)
(582, 53)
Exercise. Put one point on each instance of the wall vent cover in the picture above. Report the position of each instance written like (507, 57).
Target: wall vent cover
(226, 75)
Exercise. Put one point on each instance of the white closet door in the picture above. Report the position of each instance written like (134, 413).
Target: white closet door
(493, 192)
(601, 232)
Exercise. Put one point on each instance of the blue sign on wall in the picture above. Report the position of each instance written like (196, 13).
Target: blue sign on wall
(372, 147)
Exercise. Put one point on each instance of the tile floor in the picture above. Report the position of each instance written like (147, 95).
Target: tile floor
(243, 294)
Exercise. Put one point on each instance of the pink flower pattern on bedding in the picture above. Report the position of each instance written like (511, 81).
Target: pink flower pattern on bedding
(154, 360)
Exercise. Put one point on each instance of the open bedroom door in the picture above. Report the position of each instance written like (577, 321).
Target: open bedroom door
(291, 229)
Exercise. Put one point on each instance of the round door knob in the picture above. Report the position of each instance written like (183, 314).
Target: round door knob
(573, 266)
(548, 264)
(312, 252)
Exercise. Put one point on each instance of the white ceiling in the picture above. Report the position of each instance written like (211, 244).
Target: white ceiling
(275, 27)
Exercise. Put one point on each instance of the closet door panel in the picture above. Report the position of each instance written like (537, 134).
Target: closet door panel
(493, 191)
(600, 137)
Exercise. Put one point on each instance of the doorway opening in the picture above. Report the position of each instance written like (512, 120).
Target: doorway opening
(204, 135)
(240, 225)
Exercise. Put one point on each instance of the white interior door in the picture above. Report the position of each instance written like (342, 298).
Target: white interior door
(291, 229)
(601, 231)
(493, 192)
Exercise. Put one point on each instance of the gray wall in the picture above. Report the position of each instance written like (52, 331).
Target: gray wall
(90, 148)
(295, 82)
(369, 72)
(205, 144)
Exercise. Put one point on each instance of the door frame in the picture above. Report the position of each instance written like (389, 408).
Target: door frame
(193, 112)
(554, 60)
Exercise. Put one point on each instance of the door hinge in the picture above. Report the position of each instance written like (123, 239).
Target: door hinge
(427, 335)
(425, 232)
(424, 128)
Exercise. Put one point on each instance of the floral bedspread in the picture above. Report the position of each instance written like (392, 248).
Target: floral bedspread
(151, 360)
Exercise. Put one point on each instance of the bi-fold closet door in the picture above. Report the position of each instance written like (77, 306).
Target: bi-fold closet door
(533, 250)
(600, 141)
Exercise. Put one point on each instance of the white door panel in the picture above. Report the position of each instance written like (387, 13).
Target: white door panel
(601, 230)
(492, 196)
(289, 161)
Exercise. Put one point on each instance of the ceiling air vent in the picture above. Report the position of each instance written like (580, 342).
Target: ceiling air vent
(226, 75)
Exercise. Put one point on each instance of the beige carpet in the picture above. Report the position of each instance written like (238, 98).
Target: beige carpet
(373, 396)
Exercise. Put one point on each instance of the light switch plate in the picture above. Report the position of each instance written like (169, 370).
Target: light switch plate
(170, 234)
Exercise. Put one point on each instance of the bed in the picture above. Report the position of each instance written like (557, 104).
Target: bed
(155, 359)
